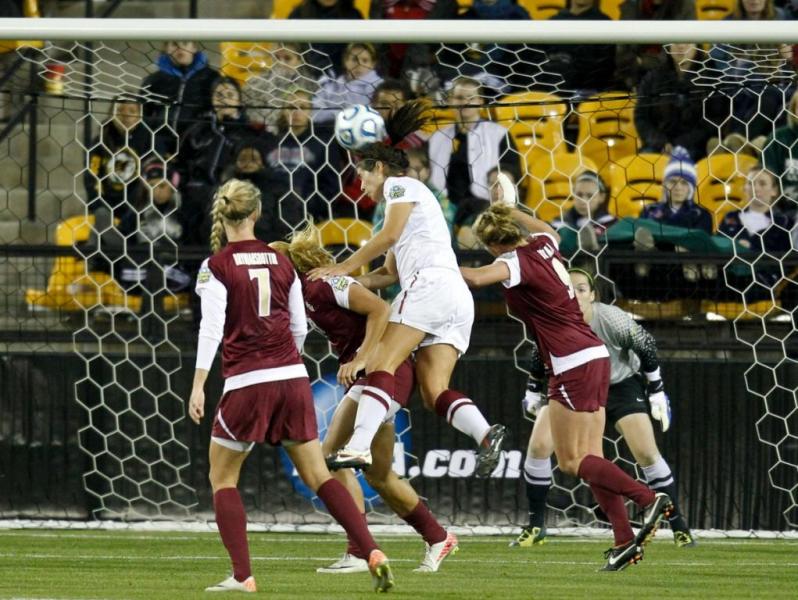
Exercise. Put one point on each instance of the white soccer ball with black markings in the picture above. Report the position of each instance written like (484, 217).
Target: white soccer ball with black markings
(359, 125)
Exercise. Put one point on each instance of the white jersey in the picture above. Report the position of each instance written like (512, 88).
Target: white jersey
(425, 241)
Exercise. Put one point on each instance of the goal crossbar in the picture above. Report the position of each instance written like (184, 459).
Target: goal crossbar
(346, 31)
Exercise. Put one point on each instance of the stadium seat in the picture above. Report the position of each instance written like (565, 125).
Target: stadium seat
(535, 121)
(714, 10)
(70, 288)
(611, 8)
(739, 310)
(282, 8)
(634, 182)
(438, 119)
(241, 60)
(721, 182)
(549, 190)
(345, 232)
(542, 9)
(658, 311)
(607, 130)
(30, 9)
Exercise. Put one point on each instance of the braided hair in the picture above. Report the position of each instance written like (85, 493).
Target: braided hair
(233, 202)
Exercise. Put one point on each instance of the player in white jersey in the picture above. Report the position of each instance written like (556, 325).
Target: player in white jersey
(433, 313)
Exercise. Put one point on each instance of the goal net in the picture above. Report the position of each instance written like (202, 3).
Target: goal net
(135, 136)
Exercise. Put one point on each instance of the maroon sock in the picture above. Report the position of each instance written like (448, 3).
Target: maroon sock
(341, 506)
(352, 548)
(601, 472)
(421, 519)
(232, 522)
(613, 506)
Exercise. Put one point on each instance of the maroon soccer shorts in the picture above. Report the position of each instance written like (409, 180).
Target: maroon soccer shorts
(583, 388)
(268, 412)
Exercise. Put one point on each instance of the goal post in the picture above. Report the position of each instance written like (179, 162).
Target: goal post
(135, 348)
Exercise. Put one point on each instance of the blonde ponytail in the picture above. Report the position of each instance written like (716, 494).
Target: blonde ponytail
(496, 227)
(234, 201)
(306, 250)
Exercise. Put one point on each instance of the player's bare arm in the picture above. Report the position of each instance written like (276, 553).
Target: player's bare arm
(384, 276)
(196, 403)
(377, 311)
(477, 277)
(396, 217)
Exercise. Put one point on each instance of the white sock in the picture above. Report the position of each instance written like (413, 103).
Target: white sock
(537, 471)
(658, 475)
(370, 415)
(467, 419)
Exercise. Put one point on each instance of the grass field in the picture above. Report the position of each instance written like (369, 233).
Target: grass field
(106, 564)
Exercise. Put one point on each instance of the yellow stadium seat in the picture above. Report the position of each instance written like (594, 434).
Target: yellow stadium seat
(464, 5)
(30, 9)
(721, 183)
(549, 190)
(241, 60)
(611, 8)
(739, 310)
(651, 310)
(636, 181)
(713, 10)
(439, 118)
(345, 232)
(542, 9)
(282, 8)
(70, 288)
(607, 130)
(535, 121)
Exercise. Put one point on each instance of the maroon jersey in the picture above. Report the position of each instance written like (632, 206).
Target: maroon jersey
(539, 292)
(257, 318)
(327, 305)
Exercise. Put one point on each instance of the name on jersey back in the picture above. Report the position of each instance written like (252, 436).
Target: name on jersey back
(254, 258)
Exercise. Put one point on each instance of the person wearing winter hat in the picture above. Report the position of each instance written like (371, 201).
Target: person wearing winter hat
(678, 207)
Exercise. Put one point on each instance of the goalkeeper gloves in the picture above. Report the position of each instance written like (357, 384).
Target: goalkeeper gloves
(532, 399)
(658, 399)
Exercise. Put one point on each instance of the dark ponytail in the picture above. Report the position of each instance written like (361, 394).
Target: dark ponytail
(408, 119)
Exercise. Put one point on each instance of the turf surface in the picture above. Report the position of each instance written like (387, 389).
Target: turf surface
(107, 564)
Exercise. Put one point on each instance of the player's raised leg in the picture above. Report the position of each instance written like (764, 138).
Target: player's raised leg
(309, 462)
(231, 517)
(434, 366)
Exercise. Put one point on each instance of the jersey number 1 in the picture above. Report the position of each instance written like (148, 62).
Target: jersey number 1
(264, 290)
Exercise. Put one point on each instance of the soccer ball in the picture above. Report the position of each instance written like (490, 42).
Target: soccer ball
(359, 125)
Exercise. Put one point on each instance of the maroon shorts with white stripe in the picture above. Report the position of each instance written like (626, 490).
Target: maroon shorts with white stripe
(405, 381)
(268, 412)
(583, 388)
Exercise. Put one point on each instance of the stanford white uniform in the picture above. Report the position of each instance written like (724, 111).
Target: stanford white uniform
(252, 303)
(434, 297)
(327, 304)
(539, 292)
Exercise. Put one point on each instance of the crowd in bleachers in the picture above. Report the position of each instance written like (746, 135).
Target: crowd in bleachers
(591, 134)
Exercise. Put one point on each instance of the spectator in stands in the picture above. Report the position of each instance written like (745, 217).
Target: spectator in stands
(281, 207)
(678, 206)
(355, 86)
(670, 108)
(183, 80)
(326, 56)
(290, 70)
(586, 68)
(757, 10)
(416, 62)
(633, 60)
(390, 96)
(760, 228)
(207, 147)
(124, 143)
(780, 155)
(462, 155)
(588, 215)
(311, 165)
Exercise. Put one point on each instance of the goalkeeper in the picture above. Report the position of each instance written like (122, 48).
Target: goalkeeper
(630, 398)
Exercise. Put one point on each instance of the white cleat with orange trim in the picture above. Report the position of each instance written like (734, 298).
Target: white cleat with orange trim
(231, 584)
(436, 553)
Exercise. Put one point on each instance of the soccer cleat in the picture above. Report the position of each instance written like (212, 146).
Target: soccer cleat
(620, 557)
(490, 451)
(232, 585)
(436, 553)
(661, 508)
(684, 539)
(380, 571)
(347, 564)
(349, 459)
(530, 536)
